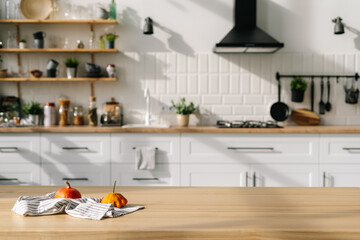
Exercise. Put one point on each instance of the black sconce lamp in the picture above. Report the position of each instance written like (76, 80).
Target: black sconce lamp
(148, 27)
(339, 26)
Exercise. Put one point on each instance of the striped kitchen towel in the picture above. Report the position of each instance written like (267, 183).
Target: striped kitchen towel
(85, 207)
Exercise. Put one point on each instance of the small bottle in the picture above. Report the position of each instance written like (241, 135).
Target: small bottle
(101, 43)
(49, 114)
(113, 10)
(92, 116)
(78, 116)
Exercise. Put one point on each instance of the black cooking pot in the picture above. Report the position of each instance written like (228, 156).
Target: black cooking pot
(279, 111)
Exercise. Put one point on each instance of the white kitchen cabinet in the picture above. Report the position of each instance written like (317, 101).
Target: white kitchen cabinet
(123, 147)
(19, 148)
(340, 148)
(20, 174)
(77, 174)
(285, 175)
(340, 175)
(166, 174)
(249, 148)
(215, 175)
(75, 148)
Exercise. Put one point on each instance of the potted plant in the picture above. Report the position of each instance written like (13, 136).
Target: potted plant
(298, 86)
(183, 111)
(22, 44)
(33, 111)
(71, 67)
(110, 40)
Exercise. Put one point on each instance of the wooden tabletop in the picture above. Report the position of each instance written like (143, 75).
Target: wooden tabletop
(198, 213)
(191, 129)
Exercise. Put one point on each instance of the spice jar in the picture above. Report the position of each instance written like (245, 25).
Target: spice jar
(92, 115)
(64, 111)
(49, 114)
(78, 116)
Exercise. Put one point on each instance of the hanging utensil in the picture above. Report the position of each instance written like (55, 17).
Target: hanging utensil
(312, 93)
(328, 104)
(279, 111)
(321, 103)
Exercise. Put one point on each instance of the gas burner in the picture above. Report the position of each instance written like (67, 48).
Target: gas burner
(246, 124)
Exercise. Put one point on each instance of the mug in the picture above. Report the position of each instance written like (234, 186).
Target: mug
(52, 73)
(39, 43)
(39, 35)
(52, 64)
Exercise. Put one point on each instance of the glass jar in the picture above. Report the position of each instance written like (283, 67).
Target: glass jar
(3, 118)
(78, 116)
(92, 114)
(64, 105)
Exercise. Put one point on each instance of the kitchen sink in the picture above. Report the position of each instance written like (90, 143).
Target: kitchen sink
(146, 126)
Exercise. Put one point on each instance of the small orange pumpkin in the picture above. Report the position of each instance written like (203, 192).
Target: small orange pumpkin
(114, 198)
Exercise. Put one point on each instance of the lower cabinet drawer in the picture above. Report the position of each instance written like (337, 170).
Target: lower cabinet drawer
(76, 174)
(164, 175)
(340, 148)
(19, 174)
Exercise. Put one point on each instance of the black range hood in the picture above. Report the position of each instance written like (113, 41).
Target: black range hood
(246, 37)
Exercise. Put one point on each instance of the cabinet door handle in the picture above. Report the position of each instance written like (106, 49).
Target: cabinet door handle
(351, 149)
(9, 179)
(247, 179)
(324, 179)
(144, 179)
(14, 149)
(254, 179)
(252, 148)
(135, 148)
(75, 179)
(75, 148)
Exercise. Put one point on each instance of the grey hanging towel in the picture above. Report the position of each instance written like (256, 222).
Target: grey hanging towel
(145, 158)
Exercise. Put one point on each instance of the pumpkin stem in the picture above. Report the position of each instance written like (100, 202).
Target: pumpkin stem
(114, 186)
(67, 184)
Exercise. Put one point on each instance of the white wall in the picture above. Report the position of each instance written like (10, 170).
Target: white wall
(177, 60)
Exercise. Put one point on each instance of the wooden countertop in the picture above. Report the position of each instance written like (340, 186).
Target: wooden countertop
(191, 129)
(198, 213)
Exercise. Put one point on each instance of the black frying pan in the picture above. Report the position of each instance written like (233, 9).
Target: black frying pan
(279, 111)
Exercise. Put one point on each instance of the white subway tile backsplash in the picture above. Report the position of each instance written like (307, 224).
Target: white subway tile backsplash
(208, 99)
(181, 63)
(193, 84)
(224, 64)
(253, 99)
(231, 86)
(233, 99)
(222, 110)
(203, 84)
(193, 64)
(224, 84)
(214, 83)
(182, 84)
(203, 63)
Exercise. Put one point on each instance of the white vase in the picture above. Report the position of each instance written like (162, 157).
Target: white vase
(182, 120)
(71, 72)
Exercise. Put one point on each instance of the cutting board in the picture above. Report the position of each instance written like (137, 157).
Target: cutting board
(305, 117)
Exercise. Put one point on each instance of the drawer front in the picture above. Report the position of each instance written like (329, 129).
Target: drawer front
(164, 175)
(76, 174)
(214, 175)
(19, 148)
(20, 174)
(123, 147)
(341, 148)
(340, 175)
(249, 148)
(75, 148)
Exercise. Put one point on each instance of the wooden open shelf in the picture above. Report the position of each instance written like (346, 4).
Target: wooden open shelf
(58, 21)
(45, 79)
(56, 50)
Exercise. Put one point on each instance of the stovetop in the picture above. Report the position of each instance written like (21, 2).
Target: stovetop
(246, 124)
